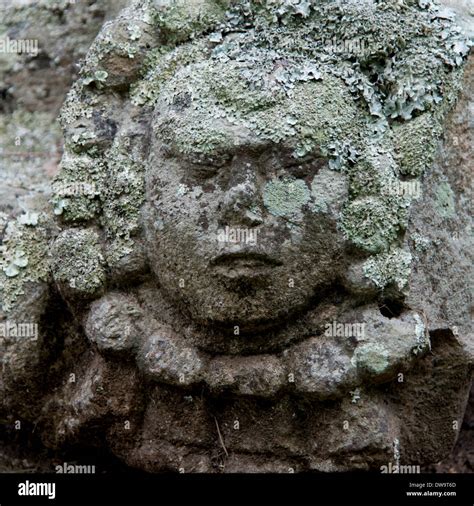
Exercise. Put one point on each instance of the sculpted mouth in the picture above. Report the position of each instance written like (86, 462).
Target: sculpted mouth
(245, 261)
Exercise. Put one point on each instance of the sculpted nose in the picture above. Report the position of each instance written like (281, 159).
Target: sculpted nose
(241, 204)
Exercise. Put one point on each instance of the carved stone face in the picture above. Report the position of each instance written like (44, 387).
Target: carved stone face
(273, 175)
(241, 224)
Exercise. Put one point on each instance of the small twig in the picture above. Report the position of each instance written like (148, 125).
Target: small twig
(220, 438)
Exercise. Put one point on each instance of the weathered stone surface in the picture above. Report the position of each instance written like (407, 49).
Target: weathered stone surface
(259, 375)
(111, 323)
(255, 254)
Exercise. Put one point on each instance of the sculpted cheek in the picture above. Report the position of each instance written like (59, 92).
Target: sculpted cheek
(286, 198)
(329, 191)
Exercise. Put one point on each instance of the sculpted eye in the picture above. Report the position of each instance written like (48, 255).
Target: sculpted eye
(204, 168)
(305, 168)
(203, 171)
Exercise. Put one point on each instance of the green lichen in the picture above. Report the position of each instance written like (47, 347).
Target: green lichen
(122, 201)
(391, 268)
(372, 174)
(372, 358)
(286, 197)
(422, 336)
(23, 258)
(77, 261)
(445, 199)
(415, 144)
(76, 107)
(412, 81)
(420, 242)
(401, 340)
(29, 142)
(312, 116)
(181, 19)
(161, 65)
(99, 77)
(76, 188)
(372, 223)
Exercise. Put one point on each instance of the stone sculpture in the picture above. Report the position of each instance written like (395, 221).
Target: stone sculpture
(243, 269)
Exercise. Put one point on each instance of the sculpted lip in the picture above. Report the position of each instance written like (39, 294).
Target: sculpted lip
(245, 260)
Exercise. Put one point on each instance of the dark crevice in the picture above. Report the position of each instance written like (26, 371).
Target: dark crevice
(7, 101)
(391, 308)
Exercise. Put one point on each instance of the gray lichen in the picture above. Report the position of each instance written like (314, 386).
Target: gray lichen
(445, 199)
(22, 259)
(393, 267)
(286, 198)
(78, 263)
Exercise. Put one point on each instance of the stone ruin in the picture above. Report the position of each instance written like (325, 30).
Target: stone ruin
(255, 254)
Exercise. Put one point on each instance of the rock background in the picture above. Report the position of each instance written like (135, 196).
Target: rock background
(31, 93)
